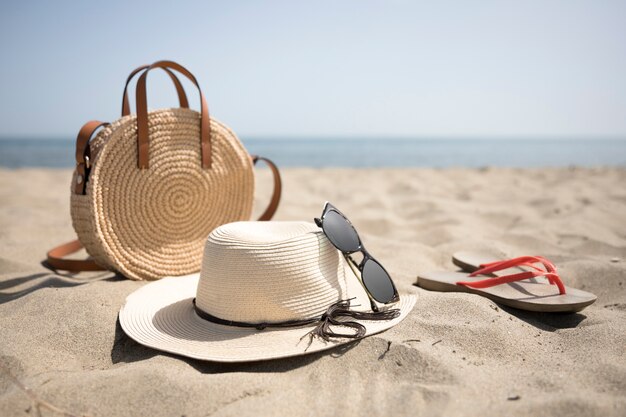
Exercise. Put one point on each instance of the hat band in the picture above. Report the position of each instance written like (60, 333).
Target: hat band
(323, 330)
(259, 326)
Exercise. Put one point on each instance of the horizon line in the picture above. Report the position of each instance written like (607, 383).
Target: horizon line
(364, 137)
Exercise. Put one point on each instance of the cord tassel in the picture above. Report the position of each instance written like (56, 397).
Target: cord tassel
(324, 331)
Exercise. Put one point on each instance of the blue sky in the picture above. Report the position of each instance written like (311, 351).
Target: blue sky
(325, 68)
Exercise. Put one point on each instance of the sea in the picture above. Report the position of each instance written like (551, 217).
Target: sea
(369, 152)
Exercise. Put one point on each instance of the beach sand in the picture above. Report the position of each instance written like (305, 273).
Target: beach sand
(455, 354)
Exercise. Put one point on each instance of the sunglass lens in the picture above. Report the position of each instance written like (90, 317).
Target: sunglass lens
(377, 281)
(340, 232)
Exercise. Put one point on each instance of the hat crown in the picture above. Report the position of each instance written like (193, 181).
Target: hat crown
(269, 272)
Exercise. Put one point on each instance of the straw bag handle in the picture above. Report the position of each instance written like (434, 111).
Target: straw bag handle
(142, 116)
(182, 96)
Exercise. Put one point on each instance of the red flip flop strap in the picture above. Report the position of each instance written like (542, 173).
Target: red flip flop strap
(509, 263)
(547, 263)
(527, 261)
(506, 279)
(527, 264)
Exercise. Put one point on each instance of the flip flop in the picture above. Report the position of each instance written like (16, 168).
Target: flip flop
(510, 282)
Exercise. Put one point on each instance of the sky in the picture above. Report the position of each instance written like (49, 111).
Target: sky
(342, 68)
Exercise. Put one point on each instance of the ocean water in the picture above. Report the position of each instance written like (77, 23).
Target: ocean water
(354, 152)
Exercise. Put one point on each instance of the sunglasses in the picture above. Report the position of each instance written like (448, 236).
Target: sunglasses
(373, 277)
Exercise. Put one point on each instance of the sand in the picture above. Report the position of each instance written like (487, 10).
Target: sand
(455, 354)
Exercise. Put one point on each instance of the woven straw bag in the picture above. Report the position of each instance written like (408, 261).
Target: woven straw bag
(149, 188)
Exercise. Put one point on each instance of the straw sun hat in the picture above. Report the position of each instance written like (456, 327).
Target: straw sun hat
(264, 291)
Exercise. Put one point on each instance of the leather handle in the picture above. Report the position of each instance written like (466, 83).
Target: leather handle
(55, 259)
(142, 116)
(182, 96)
(273, 205)
(83, 152)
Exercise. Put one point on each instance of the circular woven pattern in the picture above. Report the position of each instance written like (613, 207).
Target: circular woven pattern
(255, 272)
(152, 223)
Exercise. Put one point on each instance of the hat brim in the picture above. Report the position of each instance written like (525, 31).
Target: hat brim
(160, 315)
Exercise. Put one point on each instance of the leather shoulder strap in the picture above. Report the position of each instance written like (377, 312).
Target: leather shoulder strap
(273, 205)
(83, 153)
(55, 259)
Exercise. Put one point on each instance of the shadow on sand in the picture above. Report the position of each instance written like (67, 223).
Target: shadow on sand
(548, 322)
(35, 281)
(126, 350)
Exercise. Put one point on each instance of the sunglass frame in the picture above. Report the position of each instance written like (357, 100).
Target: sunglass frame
(357, 268)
